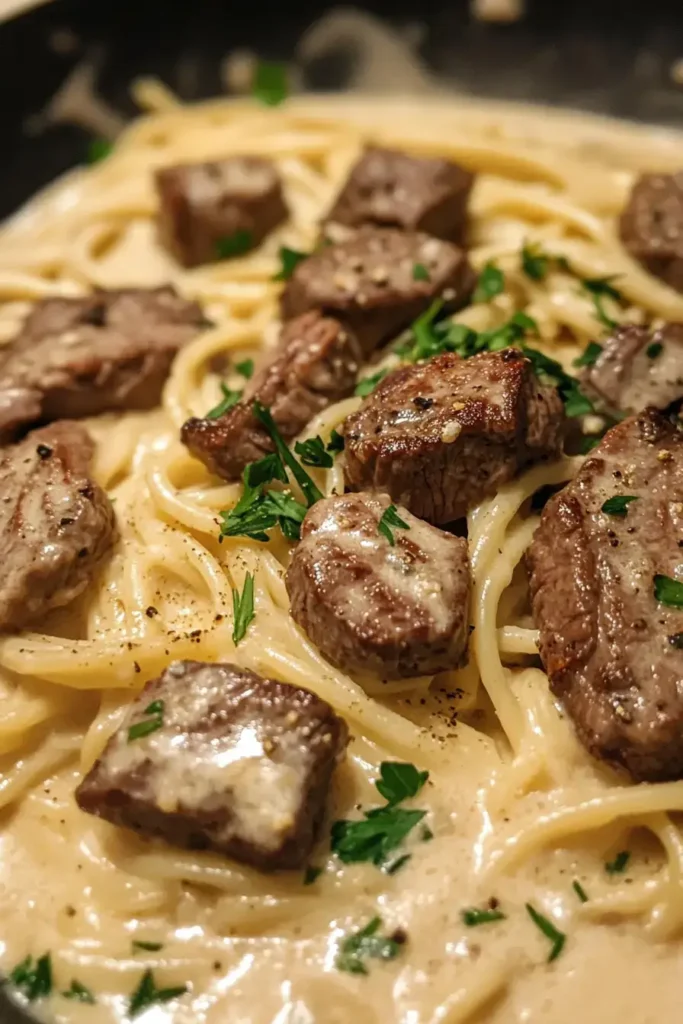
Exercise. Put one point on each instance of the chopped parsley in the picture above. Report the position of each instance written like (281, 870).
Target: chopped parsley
(270, 85)
(243, 609)
(245, 368)
(308, 487)
(420, 272)
(618, 505)
(148, 947)
(148, 725)
(229, 399)
(146, 994)
(668, 591)
(314, 453)
(367, 385)
(654, 350)
(364, 945)
(383, 829)
(580, 891)
(535, 262)
(473, 916)
(266, 469)
(599, 289)
(289, 261)
(618, 865)
(491, 283)
(588, 443)
(258, 511)
(575, 402)
(390, 517)
(99, 149)
(430, 337)
(557, 937)
(234, 245)
(336, 442)
(590, 355)
(33, 980)
(79, 993)
(311, 874)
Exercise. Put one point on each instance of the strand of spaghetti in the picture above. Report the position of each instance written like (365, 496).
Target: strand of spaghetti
(57, 748)
(486, 980)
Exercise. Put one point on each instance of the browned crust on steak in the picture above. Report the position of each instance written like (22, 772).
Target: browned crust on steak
(651, 226)
(638, 368)
(604, 639)
(441, 436)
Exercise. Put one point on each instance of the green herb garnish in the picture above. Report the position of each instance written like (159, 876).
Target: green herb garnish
(289, 261)
(148, 725)
(148, 947)
(491, 283)
(364, 945)
(618, 505)
(146, 994)
(308, 487)
(557, 937)
(270, 85)
(256, 511)
(654, 350)
(618, 865)
(420, 272)
(599, 289)
(314, 453)
(34, 980)
(243, 609)
(580, 891)
(374, 837)
(79, 993)
(336, 442)
(99, 149)
(311, 874)
(390, 517)
(245, 368)
(590, 355)
(229, 399)
(668, 591)
(575, 402)
(234, 245)
(473, 916)
(367, 385)
(534, 262)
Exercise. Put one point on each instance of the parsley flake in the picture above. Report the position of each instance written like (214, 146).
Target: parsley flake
(148, 947)
(473, 916)
(364, 945)
(245, 368)
(243, 609)
(491, 283)
(618, 865)
(668, 591)
(229, 399)
(79, 993)
(575, 402)
(557, 937)
(148, 725)
(579, 890)
(234, 245)
(654, 350)
(618, 505)
(390, 517)
(99, 149)
(599, 289)
(34, 980)
(590, 355)
(336, 442)
(534, 262)
(367, 385)
(270, 85)
(307, 485)
(420, 272)
(399, 780)
(289, 261)
(146, 994)
(314, 453)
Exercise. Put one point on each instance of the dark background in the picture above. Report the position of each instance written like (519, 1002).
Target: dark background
(608, 56)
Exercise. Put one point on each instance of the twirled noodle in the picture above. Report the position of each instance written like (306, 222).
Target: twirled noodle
(516, 807)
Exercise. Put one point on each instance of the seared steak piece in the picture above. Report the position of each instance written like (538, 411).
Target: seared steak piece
(638, 368)
(213, 757)
(56, 524)
(387, 188)
(220, 208)
(398, 609)
(612, 651)
(80, 357)
(369, 281)
(316, 364)
(651, 226)
(442, 435)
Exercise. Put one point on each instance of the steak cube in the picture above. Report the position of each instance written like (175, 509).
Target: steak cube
(638, 368)
(387, 188)
(219, 208)
(369, 282)
(651, 226)
(215, 757)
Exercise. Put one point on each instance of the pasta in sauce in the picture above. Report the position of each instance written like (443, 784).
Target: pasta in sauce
(519, 813)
